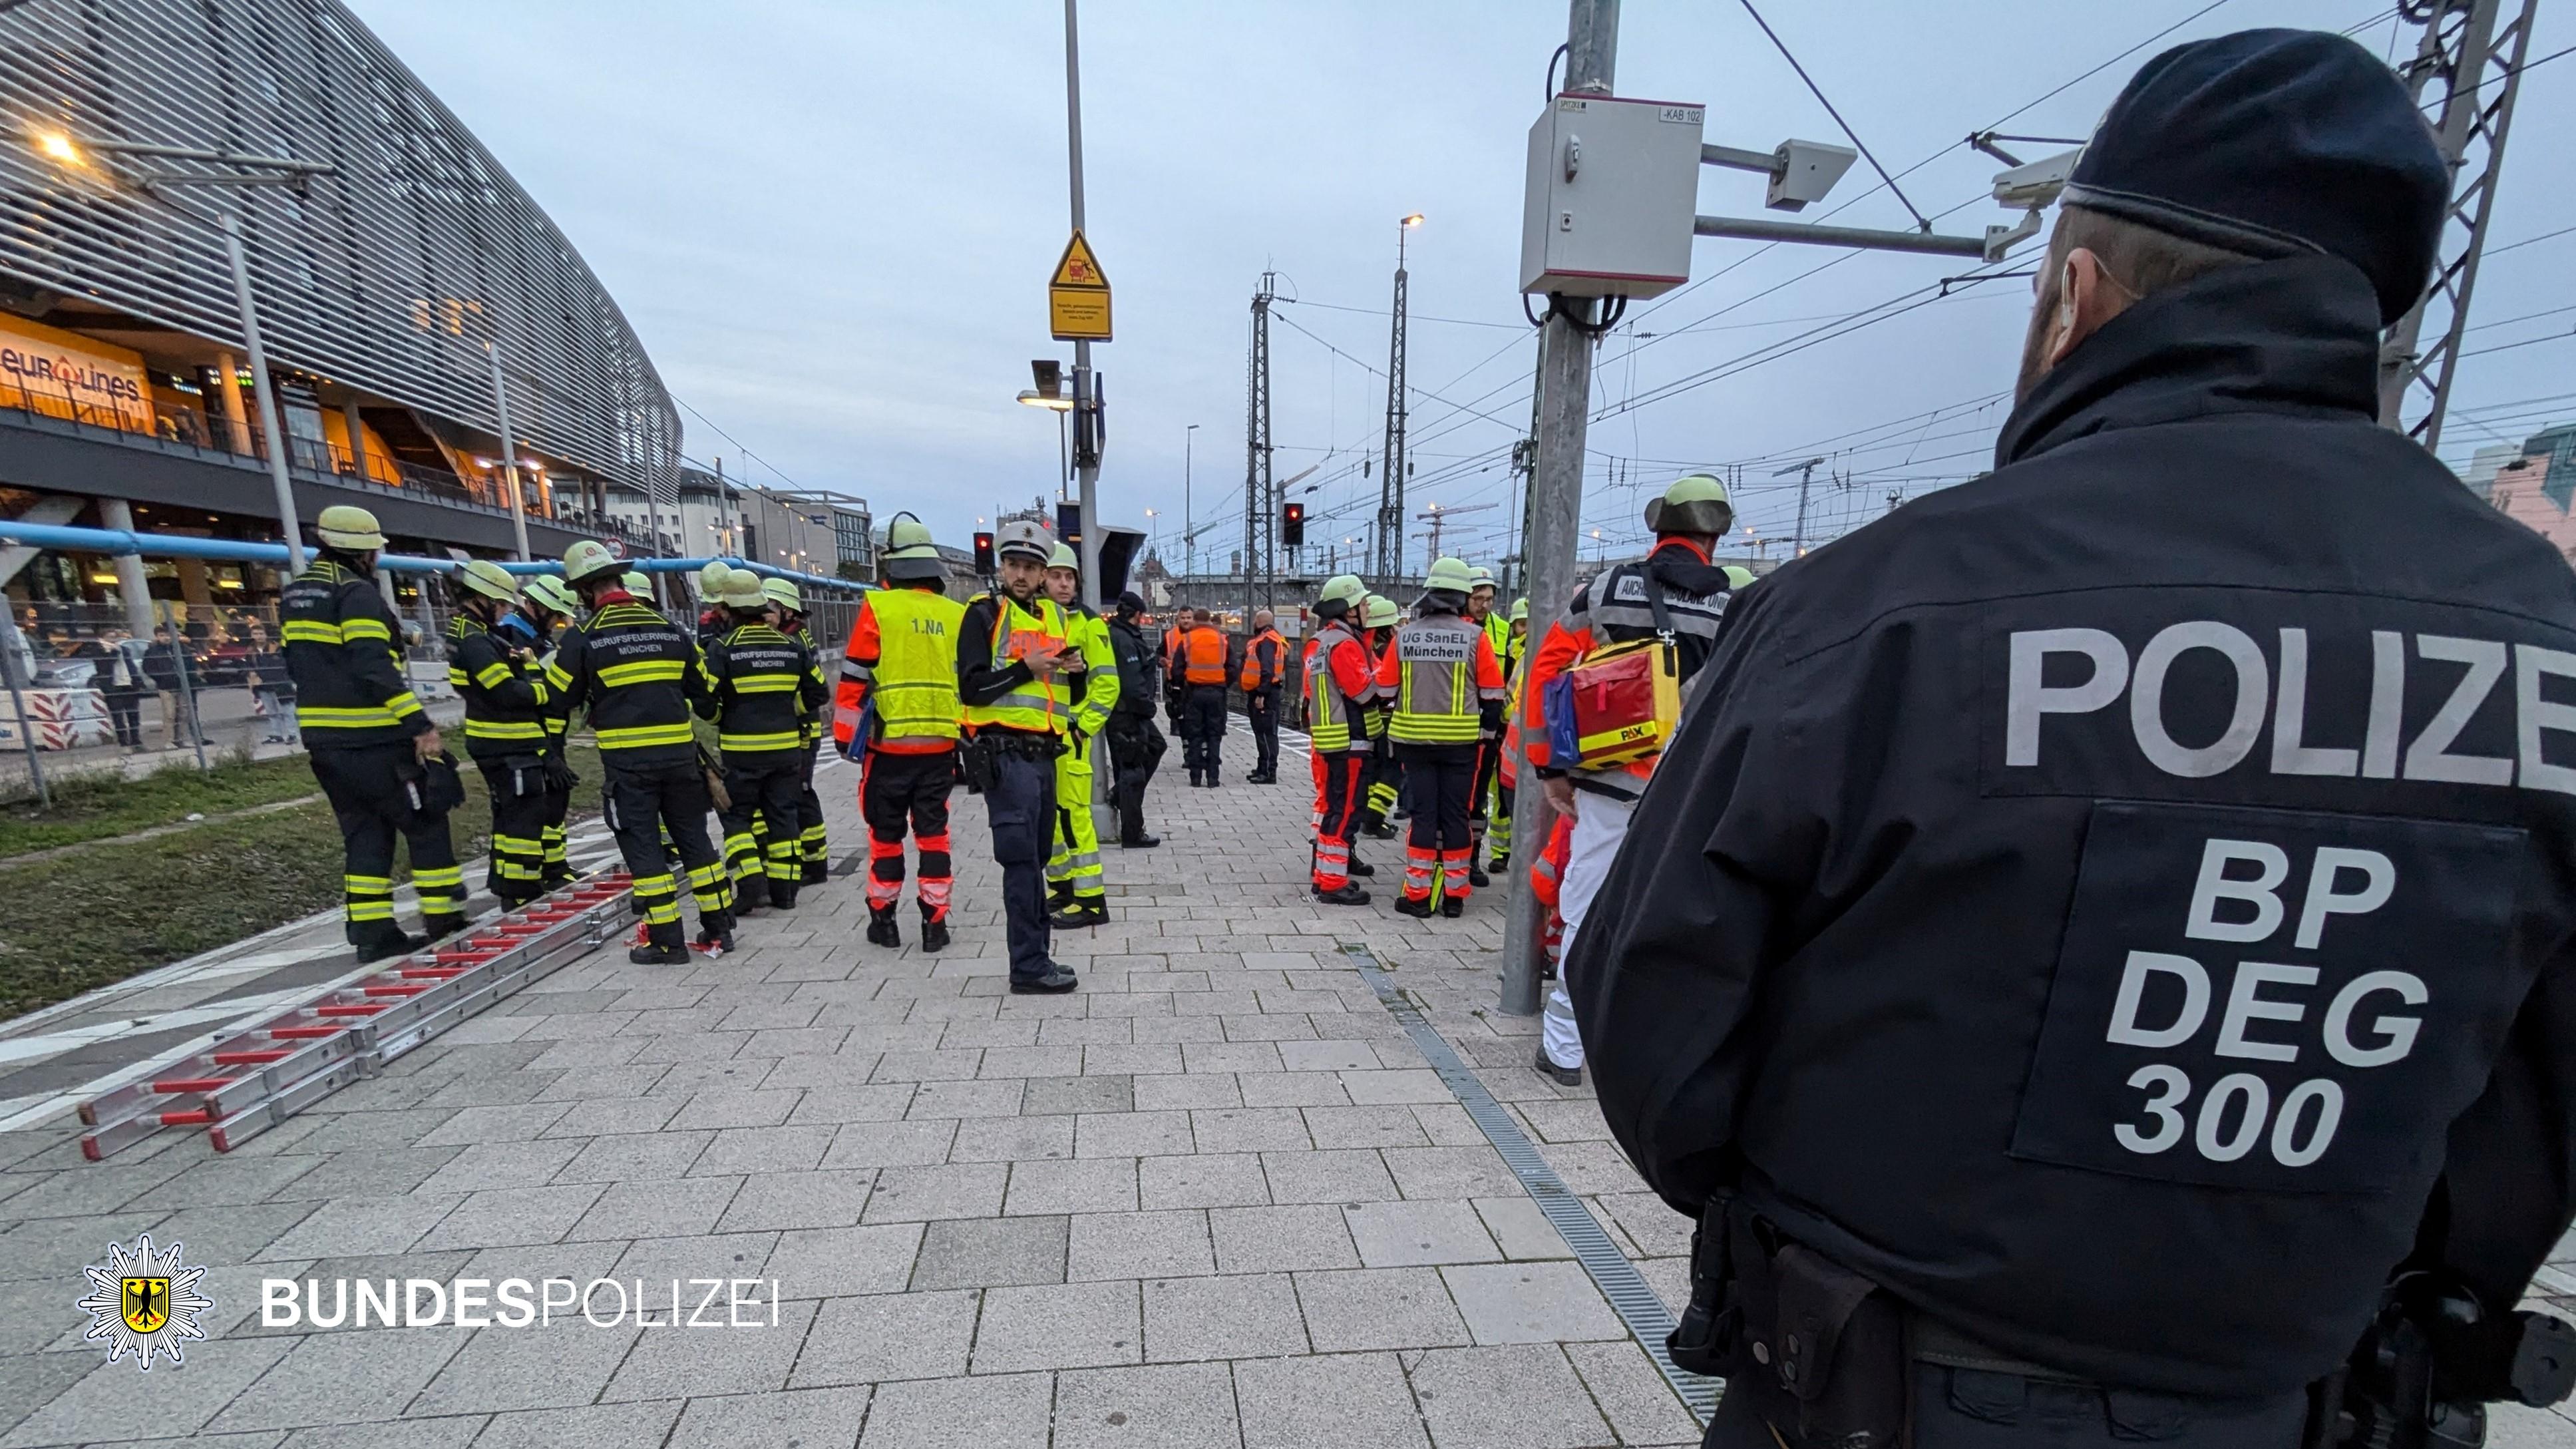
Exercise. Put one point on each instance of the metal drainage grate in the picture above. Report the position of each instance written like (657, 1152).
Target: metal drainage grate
(1611, 1272)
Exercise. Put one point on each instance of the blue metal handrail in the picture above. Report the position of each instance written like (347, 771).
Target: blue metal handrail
(114, 542)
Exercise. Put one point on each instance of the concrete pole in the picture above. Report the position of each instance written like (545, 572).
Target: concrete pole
(118, 514)
(510, 457)
(236, 416)
(357, 438)
(1085, 397)
(1555, 518)
(264, 394)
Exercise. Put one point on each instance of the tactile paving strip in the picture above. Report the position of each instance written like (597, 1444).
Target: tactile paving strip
(1617, 1278)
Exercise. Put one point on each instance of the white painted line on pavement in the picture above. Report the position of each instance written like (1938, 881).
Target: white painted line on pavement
(55, 1043)
(234, 1014)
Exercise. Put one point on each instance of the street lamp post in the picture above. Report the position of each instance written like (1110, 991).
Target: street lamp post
(1189, 540)
(510, 454)
(1085, 386)
(69, 152)
(264, 396)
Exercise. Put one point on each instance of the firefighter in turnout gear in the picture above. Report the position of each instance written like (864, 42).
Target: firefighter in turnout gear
(1377, 631)
(1076, 896)
(714, 619)
(368, 738)
(1689, 597)
(813, 844)
(1498, 635)
(1447, 691)
(546, 608)
(640, 676)
(1265, 669)
(896, 713)
(494, 671)
(1341, 686)
(1014, 647)
(767, 691)
(1507, 758)
(2111, 933)
(1135, 745)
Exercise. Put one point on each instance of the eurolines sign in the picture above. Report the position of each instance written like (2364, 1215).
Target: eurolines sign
(65, 375)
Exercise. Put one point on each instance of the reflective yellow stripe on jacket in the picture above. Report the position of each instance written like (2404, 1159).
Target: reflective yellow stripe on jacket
(637, 737)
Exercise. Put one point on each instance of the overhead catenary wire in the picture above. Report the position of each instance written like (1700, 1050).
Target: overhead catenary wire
(1819, 93)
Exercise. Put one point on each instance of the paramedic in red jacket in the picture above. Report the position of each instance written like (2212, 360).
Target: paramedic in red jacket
(1613, 609)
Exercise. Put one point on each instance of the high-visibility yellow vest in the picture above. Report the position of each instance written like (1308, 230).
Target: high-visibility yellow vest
(1437, 701)
(914, 686)
(1041, 705)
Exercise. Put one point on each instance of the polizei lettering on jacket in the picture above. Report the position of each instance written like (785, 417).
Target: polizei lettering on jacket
(2208, 700)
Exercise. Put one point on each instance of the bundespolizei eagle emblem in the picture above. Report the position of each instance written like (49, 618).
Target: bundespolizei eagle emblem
(144, 1302)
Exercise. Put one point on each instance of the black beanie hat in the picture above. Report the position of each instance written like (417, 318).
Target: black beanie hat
(2275, 143)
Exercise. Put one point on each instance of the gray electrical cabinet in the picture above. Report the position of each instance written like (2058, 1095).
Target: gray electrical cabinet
(1613, 188)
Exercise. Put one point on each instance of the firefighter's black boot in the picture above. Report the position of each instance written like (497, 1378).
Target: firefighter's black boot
(663, 946)
(934, 932)
(882, 931)
(440, 927)
(751, 893)
(1345, 894)
(715, 932)
(782, 895)
(377, 940)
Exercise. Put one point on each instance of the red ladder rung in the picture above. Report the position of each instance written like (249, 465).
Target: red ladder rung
(305, 1033)
(194, 1117)
(354, 1008)
(192, 1084)
(259, 1058)
(398, 989)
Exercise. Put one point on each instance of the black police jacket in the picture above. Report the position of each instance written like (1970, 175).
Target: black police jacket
(1139, 671)
(2100, 901)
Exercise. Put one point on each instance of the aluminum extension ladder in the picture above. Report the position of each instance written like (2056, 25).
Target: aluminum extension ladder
(255, 1078)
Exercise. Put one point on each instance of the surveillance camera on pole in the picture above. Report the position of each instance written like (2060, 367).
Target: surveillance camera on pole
(1801, 172)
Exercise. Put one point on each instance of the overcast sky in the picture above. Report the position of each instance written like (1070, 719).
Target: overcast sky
(832, 224)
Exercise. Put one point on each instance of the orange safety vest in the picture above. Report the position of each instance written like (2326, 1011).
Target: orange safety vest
(1205, 651)
(1254, 674)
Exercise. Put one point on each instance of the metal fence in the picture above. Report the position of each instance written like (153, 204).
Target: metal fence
(87, 694)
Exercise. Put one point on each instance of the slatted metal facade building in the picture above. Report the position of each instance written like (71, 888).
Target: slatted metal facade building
(388, 274)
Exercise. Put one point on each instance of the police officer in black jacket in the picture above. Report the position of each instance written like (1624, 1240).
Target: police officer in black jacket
(1135, 746)
(2109, 918)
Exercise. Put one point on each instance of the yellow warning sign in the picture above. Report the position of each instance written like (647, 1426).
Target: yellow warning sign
(1078, 295)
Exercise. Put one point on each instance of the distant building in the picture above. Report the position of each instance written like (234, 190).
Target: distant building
(2483, 465)
(2536, 488)
(701, 521)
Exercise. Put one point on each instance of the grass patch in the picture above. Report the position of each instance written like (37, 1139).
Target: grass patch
(102, 806)
(82, 920)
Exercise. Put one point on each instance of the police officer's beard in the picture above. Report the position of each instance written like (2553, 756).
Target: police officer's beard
(2041, 338)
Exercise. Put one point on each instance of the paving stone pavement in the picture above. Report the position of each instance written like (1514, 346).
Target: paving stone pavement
(1214, 1198)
